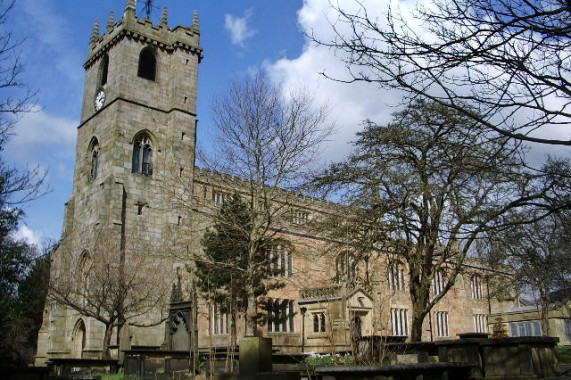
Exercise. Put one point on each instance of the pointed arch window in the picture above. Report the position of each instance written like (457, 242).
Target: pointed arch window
(103, 70)
(147, 64)
(85, 264)
(94, 148)
(78, 338)
(142, 155)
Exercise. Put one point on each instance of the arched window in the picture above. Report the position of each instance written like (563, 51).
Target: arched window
(85, 263)
(94, 148)
(147, 64)
(103, 70)
(476, 286)
(346, 267)
(142, 155)
(319, 324)
(78, 339)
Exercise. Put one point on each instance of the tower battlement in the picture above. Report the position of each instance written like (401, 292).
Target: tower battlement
(160, 35)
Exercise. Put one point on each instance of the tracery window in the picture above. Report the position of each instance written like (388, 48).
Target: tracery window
(319, 323)
(147, 64)
(281, 315)
(142, 155)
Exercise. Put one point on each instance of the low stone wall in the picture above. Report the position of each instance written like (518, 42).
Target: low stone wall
(523, 358)
(68, 368)
(155, 364)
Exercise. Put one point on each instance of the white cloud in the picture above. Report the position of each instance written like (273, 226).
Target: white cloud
(41, 137)
(29, 236)
(238, 28)
(351, 104)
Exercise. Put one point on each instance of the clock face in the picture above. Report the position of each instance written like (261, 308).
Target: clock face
(99, 100)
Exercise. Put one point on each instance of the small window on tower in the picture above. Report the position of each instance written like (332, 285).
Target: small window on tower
(103, 70)
(147, 64)
(94, 149)
(142, 155)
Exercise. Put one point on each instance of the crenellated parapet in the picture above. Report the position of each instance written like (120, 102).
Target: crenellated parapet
(224, 181)
(181, 37)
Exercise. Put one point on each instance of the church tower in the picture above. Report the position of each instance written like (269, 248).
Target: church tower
(135, 140)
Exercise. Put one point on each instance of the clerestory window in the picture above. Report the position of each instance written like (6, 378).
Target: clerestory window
(346, 267)
(438, 282)
(397, 277)
(280, 262)
(476, 286)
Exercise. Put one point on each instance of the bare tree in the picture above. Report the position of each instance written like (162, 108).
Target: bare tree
(17, 186)
(508, 59)
(111, 287)
(428, 185)
(268, 140)
(16, 94)
(540, 258)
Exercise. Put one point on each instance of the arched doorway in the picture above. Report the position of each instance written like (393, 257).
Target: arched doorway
(78, 340)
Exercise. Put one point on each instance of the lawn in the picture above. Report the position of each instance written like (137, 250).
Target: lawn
(564, 355)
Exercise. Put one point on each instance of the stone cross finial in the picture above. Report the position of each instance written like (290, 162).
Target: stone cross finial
(95, 33)
(110, 20)
(195, 24)
(164, 18)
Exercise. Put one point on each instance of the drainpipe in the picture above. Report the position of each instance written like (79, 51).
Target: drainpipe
(303, 311)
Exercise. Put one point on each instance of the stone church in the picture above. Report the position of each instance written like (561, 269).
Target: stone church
(132, 213)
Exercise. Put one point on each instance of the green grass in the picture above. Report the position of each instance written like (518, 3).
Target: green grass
(328, 359)
(112, 376)
(564, 355)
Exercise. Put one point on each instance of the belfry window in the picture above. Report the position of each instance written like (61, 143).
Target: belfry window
(103, 70)
(147, 64)
(142, 155)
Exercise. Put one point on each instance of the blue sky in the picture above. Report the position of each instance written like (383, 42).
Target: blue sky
(237, 37)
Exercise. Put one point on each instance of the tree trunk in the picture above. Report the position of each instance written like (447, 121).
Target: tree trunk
(416, 327)
(107, 341)
(251, 312)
